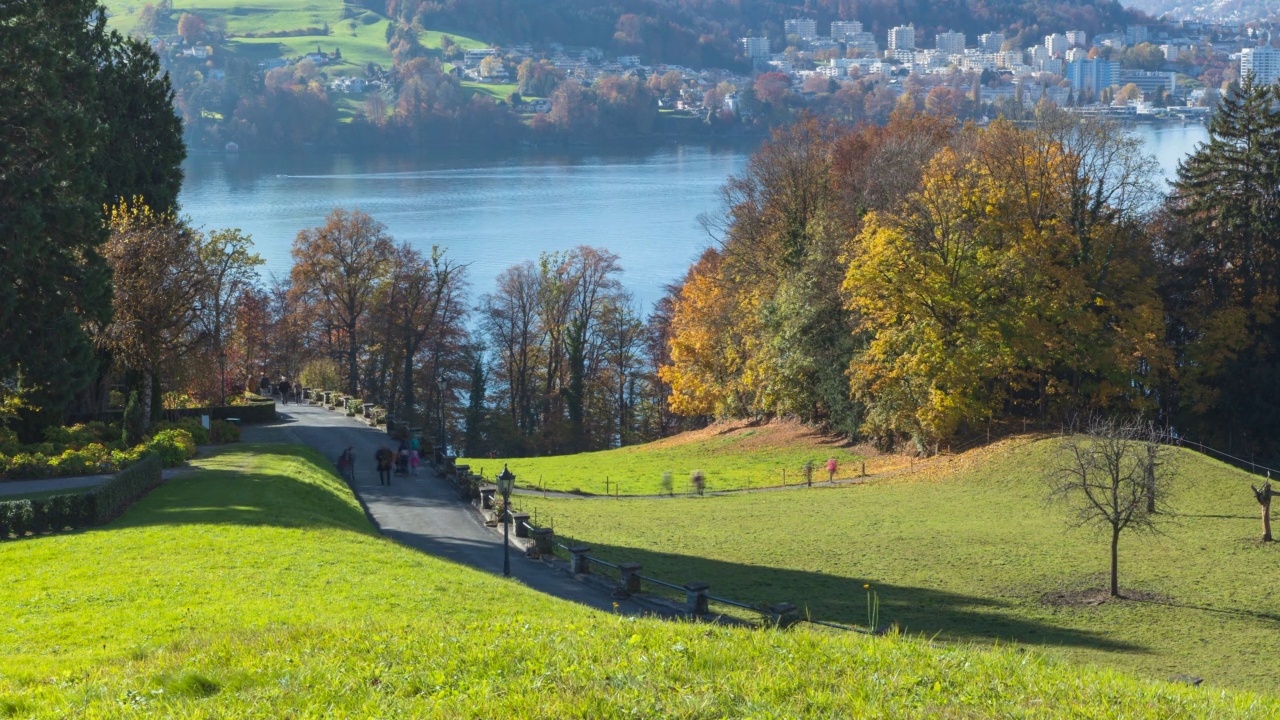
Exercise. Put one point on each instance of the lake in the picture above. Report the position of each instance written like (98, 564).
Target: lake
(495, 210)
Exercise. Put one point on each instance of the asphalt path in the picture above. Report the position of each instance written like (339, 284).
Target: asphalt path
(423, 511)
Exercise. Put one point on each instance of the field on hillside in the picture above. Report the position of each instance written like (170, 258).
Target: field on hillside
(731, 455)
(965, 550)
(255, 588)
(358, 32)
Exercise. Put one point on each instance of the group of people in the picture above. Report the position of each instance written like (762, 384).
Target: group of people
(405, 461)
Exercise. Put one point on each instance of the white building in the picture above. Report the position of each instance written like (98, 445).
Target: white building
(842, 29)
(1263, 62)
(864, 41)
(1074, 54)
(756, 48)
(902, 37)
(991, 42)
(1056, 44)
(1077, 38)
(950, 42)
(804, 27)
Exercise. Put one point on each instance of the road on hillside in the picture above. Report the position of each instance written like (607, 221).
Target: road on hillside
(422, 511)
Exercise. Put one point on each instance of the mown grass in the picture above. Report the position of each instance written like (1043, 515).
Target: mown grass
(965, 550)
(255, 588)
(731, 457)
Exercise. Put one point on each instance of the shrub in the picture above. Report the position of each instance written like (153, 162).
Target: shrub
(132, 427)
(172, 447)
(74, 437)
(193, 427)
(76, 510)
(9, 444)
(114, 495)
(224, 432)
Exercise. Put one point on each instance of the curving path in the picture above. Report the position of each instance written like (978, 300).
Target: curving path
(422, 511)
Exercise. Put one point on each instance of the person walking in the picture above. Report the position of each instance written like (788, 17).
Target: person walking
(284, 391)
(347, 464)
(831, 470)
(385, 459)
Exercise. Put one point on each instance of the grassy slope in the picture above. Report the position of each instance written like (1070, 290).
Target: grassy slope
(965, 550)
(732, 456)
(256, 588)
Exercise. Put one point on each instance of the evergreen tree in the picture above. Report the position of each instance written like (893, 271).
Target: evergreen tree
(1223, 252)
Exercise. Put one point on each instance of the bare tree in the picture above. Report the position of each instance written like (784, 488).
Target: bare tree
(1113, 475)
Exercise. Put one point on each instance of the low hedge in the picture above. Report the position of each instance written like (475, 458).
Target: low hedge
(77, 510)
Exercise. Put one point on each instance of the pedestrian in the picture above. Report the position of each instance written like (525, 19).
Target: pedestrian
(414, 461)
(284, 391)
(831, 470)
(347, 464)
(384, 458)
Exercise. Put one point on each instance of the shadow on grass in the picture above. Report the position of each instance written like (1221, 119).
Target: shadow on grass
(918, 610)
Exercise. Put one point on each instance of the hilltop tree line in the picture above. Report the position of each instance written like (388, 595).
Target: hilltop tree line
(919, 282)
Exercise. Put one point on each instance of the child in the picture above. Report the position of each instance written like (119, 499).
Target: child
(413, 462)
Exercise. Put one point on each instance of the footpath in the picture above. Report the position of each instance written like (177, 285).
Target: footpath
(423, 511)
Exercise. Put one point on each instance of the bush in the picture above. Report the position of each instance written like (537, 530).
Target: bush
(132, 426)
(224, 432)
(172, 447)
(191, 425)
(76, 510)
(114, 495)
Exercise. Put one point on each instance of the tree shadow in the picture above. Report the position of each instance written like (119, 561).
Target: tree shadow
(917, 610)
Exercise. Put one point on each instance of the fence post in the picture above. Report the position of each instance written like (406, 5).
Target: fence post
(486, 498)
(696, 598)
(630, 580)
(581, 565)
(544, 540)
(522, 524)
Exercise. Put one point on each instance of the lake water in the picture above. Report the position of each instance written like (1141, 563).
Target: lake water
(495, 210)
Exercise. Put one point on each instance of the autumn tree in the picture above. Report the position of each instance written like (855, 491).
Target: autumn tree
(230, 270)
(159, 281)
(191, 27)
(342, 264)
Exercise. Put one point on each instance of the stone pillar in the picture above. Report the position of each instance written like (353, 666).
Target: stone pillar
(486, 498)
(696, 598)
(544, 540)
(521, 526)
(784, 614)
(581, 565)
(630, 580)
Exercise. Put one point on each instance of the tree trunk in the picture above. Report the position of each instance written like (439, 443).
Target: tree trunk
(407, 385)
(1115, 562)
(353, 379)
(146, 398)
(1266, 520)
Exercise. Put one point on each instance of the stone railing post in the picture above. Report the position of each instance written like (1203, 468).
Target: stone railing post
(629, 582)
(581, 565)
(521, 521)
(544, 540)
(486, 497)
(696, 598)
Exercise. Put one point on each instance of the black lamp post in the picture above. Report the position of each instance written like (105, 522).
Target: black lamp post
(440, 384)
(506, 483)
(222, 373)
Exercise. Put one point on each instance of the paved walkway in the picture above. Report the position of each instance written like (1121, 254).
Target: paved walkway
(79, 482)
(421, 511)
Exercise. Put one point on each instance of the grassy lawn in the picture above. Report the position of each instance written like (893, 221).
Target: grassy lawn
(497, 92)
(731, 456)
(965, 550)
(255, 587)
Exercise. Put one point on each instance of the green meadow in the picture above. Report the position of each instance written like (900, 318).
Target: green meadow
(731, 457)
(967, 550)
(254, 587)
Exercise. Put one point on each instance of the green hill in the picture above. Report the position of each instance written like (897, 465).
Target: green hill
(966, 548)
(255, 588)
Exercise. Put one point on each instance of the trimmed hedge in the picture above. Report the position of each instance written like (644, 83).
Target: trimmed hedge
(77, 510)
(255, 411)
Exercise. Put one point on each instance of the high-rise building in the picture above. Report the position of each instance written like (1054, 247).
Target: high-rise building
(992, 42)
(864, 41)
(950, 42)
(1056, 44)
(756, 48)
(1091, 76)
(804, 27)
(902, 37)
(1077, 38)
(842, 29)
(1263, 62)
(1135, 35)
